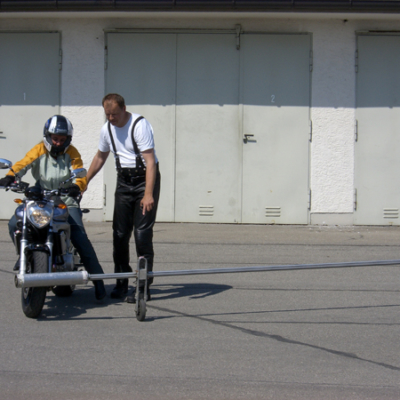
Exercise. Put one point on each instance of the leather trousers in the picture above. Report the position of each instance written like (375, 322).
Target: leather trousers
(128, 217)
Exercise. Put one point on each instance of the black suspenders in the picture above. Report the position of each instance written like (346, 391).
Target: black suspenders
(140, 168)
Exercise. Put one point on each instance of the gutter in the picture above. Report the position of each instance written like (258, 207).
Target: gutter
(324, 6)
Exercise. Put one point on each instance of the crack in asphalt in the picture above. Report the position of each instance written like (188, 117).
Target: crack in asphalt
(278, 338)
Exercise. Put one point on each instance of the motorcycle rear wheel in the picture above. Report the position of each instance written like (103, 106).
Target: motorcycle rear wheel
(32, 299)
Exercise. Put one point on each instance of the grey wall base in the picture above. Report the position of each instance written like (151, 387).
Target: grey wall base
(95, 215)
(331, 219)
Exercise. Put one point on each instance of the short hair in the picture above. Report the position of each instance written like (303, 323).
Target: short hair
(115, 98)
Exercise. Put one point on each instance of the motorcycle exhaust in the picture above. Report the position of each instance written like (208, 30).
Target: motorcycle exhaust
(51, 279)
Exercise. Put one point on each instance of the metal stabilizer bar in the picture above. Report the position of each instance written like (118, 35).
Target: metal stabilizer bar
(82, 277)
(262, 268)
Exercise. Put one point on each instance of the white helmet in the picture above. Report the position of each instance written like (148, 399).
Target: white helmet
(57, 125)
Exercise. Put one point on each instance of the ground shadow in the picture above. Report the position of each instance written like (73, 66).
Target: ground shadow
(191, 290)
(82, 300)
(65, 308)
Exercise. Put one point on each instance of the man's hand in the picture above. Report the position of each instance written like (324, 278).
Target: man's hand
(147, 203)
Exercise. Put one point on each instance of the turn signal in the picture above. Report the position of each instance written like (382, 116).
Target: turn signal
(62, 206)
(19, 201)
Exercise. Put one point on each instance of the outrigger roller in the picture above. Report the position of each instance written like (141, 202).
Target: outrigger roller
(82, 277)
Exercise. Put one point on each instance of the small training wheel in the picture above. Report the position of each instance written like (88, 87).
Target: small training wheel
(141, 310)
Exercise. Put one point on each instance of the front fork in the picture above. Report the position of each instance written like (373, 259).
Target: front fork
(25, 247)
(50, 244)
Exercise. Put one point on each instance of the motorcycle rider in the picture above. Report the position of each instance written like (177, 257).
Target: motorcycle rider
(51, 162)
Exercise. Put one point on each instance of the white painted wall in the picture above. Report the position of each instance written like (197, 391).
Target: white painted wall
(333, 84)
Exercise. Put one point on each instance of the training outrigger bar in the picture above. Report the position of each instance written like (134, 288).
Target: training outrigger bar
(141, 275)
(82, 277)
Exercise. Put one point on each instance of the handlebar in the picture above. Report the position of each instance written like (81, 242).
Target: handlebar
(17, 187)
(20, 187)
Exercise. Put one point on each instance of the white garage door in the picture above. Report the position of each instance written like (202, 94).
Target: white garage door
(276, 102)
(202, 95)
(29, 95)
(377, 150)
(142, 68)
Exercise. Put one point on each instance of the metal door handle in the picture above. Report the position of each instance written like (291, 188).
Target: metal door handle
(246, 137)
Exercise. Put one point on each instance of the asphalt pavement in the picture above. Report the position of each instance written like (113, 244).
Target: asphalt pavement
(314, 334)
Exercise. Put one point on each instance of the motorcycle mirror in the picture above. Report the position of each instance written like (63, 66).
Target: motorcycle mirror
(79, 173)
(5, 164)
(76, 173)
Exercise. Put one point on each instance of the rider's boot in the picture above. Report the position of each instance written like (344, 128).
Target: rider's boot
(120, 290)
(16, 266)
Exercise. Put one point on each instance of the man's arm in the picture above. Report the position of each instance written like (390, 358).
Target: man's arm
(147, 203)
(97, 164)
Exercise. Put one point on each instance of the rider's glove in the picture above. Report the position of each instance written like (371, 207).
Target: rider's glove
(74, 190)
(7, 180)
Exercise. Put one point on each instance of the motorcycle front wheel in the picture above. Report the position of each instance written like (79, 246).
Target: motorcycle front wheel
(32, 299)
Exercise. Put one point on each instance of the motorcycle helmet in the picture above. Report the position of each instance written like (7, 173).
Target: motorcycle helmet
(58, 125)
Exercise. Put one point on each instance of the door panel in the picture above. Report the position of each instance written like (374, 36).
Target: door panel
(208, 160)
(377, 150)
(141, 67)
(29, 95)
(276, 101)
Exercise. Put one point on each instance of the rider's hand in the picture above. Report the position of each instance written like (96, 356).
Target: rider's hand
(7, 180)
(74, 190)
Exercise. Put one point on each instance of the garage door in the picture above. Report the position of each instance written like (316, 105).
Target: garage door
(377, 150)
(202, 96)
(29, 95)
(276, 101)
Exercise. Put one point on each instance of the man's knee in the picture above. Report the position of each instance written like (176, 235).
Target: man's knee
(144, 241)
(121, 237)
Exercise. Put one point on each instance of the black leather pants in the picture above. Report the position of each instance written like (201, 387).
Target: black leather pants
(128, 217)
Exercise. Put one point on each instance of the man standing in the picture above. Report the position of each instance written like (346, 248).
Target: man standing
(130, 138)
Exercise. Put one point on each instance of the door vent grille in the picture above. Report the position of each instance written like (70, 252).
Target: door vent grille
(272, 212)
(391, 213)
(206, 211)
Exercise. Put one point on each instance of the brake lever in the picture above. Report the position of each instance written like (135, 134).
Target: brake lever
(18, 187)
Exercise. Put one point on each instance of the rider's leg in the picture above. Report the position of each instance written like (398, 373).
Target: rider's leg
(85, 249)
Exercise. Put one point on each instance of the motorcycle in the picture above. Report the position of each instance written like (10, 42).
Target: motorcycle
(42, 238)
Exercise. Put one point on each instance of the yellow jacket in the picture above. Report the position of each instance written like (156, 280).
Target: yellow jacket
(50, 172)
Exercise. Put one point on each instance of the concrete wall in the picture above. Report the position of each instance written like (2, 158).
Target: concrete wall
(333, 84)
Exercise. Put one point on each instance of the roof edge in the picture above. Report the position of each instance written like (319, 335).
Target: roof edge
(323, 6)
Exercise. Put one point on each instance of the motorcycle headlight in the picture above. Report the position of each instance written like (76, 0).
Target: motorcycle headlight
(39, 213)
